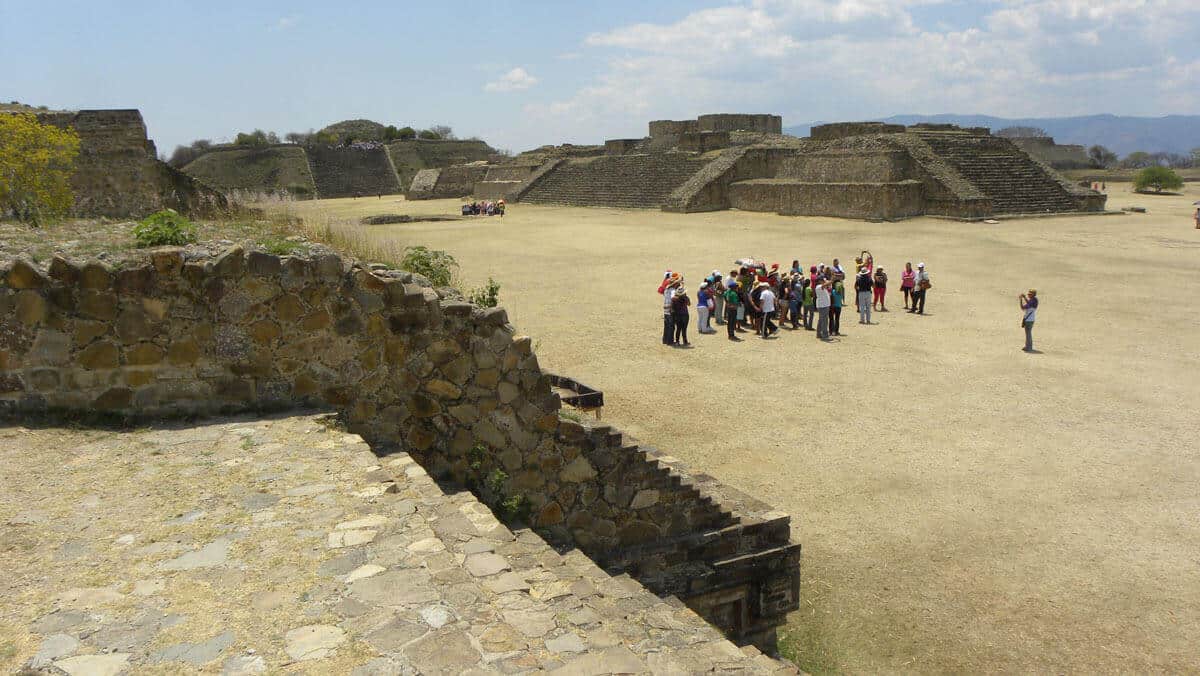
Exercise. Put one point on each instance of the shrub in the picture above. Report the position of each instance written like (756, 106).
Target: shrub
(486, 296)
(435, 264)
(165, 228)
(280, 246)
(514, 509)
(1157, 179)
(429, 135)
(407, 133)
(36, 163)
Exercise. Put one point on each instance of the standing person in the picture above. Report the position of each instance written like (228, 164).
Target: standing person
(679, 307)
(766, 301)
(668, 317)
(862, 287)
(704, 307)
(908, 280)
(809, 304)
(823, 303)
(923, 286)
(880, 289)
(837, 299)
(1029, 306)
(732, 301)
(796, 298)
(716, 287)
(1197, 217)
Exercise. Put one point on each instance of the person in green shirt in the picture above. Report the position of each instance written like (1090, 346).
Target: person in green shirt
(810, 305)
(732, 300)
(835, 308)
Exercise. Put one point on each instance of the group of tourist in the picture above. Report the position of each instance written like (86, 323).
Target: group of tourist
(754, 295)
(484, 208)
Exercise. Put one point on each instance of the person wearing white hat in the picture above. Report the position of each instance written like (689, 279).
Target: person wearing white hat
(704, 306)
(922, 287)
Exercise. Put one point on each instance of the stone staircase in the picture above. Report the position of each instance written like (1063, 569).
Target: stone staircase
(1001, 171)
(345, 172)
(732, 562)
(624, 181)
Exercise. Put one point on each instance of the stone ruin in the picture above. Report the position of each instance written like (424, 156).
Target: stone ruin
(411, 369)
(118, 172)
(867, 170)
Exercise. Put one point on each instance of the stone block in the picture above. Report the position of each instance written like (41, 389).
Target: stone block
(95, 276)
(24, 275)
(578, 470)
(264, 331)
(133, 324)
(115, 398)
(289, 308)
(422, 406)
(230, 264)
(550, 515)
(443, 351)
(263, 264)
(167, 261)
(64, 271)
(45, 380)
(99, 355)
(143, 354)
(316, 321)
(183, 352)
(443, 389)
(100, 305)
(139, 280)
(644, 498)
(11, 382)
(30, 307)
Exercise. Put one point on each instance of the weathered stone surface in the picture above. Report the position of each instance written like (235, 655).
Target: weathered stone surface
(99, 355)
(196, 654)
(94, 665)
(644, 498)
(482, 565)
(395, 588)
(578, 470)
(55, 646)
(30, 308)
(314, 642)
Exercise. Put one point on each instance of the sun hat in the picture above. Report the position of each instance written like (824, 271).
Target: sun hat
(920, 265)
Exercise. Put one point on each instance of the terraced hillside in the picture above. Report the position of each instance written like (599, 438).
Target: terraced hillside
(627, 181)
(272, 169)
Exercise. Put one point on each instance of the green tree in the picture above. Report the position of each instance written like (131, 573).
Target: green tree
(429, 135)
(1101, 157)
(1157, 179)
(36, 163)
(256, 138)
(407, 133)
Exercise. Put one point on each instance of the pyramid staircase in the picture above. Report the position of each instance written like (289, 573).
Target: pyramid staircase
(1001, 171)
(624, 181)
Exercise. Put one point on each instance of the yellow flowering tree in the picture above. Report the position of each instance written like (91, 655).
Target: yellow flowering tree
(36, 163)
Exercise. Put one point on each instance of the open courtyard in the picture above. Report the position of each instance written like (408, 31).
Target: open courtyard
(963, 506)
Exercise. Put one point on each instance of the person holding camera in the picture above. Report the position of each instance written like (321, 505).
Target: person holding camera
(1029, 306)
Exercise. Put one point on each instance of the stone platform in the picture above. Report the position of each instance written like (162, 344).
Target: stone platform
(284, 545)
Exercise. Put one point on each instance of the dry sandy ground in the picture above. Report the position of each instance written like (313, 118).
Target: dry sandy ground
(963, 506)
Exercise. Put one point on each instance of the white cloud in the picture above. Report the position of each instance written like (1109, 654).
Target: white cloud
(514, 80)
(285, 23)
(854, 59)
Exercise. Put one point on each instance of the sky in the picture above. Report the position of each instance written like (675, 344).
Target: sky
(524, 74)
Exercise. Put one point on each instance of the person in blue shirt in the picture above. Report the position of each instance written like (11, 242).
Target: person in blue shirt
(1029, 306)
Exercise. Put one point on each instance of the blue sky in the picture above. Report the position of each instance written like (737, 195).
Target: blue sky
(520, 74)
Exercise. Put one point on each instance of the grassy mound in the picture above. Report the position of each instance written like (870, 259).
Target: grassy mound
(270, 169)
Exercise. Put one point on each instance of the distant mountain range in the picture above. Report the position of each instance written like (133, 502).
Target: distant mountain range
(1122, 135)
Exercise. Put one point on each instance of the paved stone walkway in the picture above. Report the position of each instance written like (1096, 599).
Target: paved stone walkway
(284, 546)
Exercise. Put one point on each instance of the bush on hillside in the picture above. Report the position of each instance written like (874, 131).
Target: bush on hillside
(438, 266)
(429, 135)
(1157, 179)
(164, 228)
(407, 133)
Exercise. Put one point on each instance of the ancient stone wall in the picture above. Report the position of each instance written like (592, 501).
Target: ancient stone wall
(847, 200)
(672, 127)
(884, 166)
(704, 141)
(409, 367)
(276, 169)
(1059, 157)
(621, 146)
(767, 124)
(446, 183)
(836, 130)
(117, 174)
(409, 157)
(642, 181)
